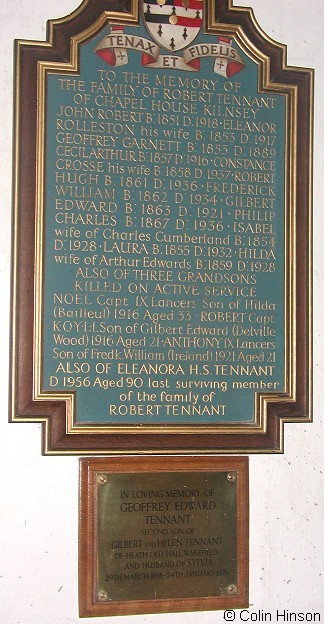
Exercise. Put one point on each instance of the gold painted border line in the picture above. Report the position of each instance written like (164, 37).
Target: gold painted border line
(261, 400)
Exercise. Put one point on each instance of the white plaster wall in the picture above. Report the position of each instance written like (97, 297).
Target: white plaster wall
(39, 495)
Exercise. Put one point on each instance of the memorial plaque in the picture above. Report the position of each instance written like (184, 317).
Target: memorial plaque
(154, 539)
(162, 252)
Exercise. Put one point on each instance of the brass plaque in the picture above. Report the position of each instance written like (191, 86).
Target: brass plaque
(160, 539)
(155, 529)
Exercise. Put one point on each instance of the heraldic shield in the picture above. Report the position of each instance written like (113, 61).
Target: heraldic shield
(173, 24)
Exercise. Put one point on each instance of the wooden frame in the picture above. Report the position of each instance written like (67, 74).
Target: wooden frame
(90, 469)
(292, 406)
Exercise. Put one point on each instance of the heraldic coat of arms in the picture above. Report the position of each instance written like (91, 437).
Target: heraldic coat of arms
(173, 25)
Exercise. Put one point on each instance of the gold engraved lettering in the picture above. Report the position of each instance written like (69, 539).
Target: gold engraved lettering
(165, 213)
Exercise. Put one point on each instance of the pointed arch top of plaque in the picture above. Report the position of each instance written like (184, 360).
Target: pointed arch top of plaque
(162, 232)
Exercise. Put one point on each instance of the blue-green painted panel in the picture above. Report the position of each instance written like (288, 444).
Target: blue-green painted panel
(164, 233)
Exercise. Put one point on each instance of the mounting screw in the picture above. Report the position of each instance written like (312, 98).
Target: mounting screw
(102, 595)
(232, 589)
(231, 476)
(102, 479)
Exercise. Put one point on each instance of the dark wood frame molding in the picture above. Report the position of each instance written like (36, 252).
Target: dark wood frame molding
(52, 414)
(89, 606)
